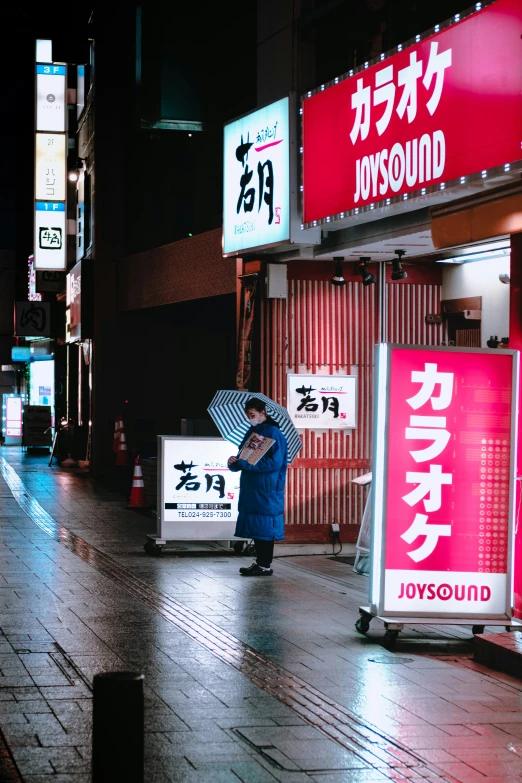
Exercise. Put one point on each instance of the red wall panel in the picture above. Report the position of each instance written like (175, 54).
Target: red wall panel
(321, 328)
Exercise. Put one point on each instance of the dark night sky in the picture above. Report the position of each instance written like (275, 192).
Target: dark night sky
(347, 27)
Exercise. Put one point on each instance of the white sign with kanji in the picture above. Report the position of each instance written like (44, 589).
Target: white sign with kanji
(198, 493)
(50, 237)
(322, 401)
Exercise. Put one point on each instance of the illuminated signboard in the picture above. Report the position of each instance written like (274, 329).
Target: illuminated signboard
(419, 121)
(51, 97)
(198, 493)
(20, 354)
(12, 419)
(50, 167)
(50, 241)
(73, 327)
(256, 194)
(443, 479)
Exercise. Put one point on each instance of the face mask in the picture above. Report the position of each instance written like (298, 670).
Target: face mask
(255, 417)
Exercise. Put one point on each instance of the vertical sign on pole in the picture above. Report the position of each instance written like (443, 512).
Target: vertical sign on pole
(50, 182)
(50, 236)
(443, 479)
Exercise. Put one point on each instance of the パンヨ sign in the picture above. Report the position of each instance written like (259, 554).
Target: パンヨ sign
(50, 168)
(421, 120)
(443, 477)
(256, 195)
(198, 494)
(322, 401)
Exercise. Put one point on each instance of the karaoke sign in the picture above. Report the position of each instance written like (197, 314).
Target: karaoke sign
(446, 513)
(445, 107)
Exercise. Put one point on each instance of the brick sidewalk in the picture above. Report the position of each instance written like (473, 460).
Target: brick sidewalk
(249, 680)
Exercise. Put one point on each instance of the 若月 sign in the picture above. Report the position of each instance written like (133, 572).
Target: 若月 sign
(322, 401)
(197, 493)
(420, 120)
(50, 240)
(256, 194)
(443, 476)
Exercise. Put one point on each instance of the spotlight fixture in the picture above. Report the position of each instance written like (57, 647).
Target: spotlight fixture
(75, 171)
(338, 278)
(398, 272)
(367, 277)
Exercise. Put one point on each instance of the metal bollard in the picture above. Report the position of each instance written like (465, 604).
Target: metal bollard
(118, 728)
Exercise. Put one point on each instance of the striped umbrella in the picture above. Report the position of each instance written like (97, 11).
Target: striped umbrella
(228, 411)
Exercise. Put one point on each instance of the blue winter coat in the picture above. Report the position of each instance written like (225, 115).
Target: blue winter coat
(262, 489)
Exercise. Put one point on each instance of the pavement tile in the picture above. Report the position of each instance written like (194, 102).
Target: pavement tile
(350, 776)
(195, 702)
(462, 772)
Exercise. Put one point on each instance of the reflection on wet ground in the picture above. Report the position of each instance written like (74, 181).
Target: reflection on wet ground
(246, 679)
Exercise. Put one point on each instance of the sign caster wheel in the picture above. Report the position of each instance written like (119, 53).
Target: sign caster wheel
(238, 547)
(477, 629)
(362, 625)
(390, 639)
(153, 549)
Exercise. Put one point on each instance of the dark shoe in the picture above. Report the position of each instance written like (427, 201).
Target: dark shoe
(255, 570)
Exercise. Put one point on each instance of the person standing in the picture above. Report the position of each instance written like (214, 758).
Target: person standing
(261, 490)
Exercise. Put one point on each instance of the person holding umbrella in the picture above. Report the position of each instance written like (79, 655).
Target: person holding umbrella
(261, 489)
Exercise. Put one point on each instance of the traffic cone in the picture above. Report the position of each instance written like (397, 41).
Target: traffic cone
(138, 498)
(118, 426)
(122, 457)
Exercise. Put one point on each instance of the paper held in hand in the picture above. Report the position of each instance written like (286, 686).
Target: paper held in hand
(255, 447)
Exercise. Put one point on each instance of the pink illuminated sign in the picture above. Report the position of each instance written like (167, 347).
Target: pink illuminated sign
(446, 496)
(421, 119)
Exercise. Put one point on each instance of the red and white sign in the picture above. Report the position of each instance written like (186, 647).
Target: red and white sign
(447, 495)
(442, 109)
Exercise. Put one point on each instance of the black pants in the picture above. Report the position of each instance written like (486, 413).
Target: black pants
(264, 552)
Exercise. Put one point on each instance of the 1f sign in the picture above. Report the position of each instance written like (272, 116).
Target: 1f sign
(50, 239)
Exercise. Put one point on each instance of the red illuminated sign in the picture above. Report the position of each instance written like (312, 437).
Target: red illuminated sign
(438, 111)
(446, 500)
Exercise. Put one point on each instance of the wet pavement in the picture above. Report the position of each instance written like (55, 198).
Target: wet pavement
(246, 680)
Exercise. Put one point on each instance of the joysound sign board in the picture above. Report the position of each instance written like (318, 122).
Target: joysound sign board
(197, 493)
(440, 113)
(443, 482)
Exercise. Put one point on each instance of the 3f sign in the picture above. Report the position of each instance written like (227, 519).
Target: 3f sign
(52, 69)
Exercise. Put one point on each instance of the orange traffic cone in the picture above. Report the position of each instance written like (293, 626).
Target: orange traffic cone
(138, 498)
(122, 457)
(118, 427)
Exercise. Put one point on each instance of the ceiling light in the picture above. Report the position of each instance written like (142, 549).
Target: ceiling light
(367, 277)
(338, 278)
(398, 272)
